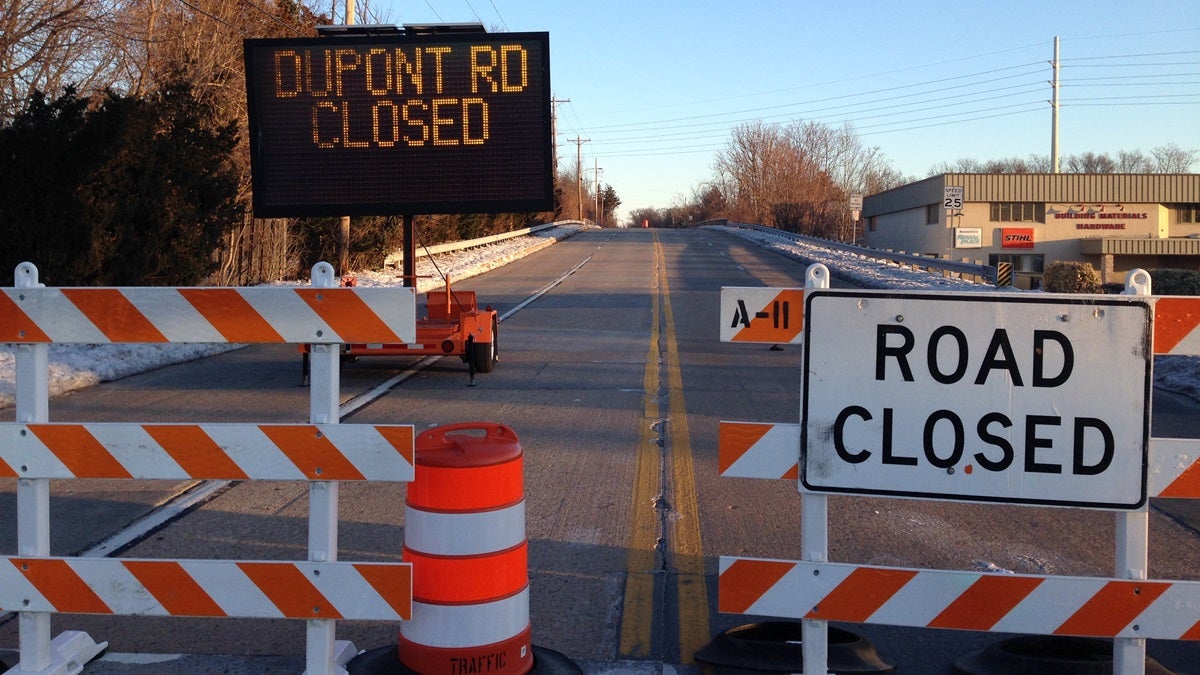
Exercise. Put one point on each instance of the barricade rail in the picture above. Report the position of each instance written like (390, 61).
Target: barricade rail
(321, 590)
(1128, 607)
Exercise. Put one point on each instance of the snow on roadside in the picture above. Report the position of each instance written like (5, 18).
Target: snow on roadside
(1180, 374)
(78, 366)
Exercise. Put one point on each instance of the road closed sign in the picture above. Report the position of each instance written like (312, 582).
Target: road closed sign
(994, 398)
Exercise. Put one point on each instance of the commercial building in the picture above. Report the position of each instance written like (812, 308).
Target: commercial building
(1116, 222)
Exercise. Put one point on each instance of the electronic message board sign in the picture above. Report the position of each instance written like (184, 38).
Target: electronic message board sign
(400, 124)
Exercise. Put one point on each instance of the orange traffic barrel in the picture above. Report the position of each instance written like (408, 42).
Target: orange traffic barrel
(464, 535)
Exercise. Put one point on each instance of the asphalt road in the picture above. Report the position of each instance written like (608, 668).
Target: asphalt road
(615, 382)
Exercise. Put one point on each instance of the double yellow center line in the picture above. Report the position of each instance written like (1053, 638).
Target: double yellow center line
(682, 552)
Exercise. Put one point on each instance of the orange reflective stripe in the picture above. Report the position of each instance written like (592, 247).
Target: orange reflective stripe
(312, 452)
(228, 312)
(286, 587)
(195, 451)
(861, 594)
(7, 471)
(79, 450)
(61, 586)
(468, 579)
(393, 583)
(113, 314)
(735, 439)
(1113, 608)
(987, 601)
(347, 314)
(173, 588)
(1187, 485)
(745, 581)
(15, 324)
(1174, 319)
(400, 438)
(451, 489)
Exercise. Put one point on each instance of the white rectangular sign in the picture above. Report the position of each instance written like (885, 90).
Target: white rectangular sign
(977, 397)
(968, 237)
(952, 198)
(762, 315)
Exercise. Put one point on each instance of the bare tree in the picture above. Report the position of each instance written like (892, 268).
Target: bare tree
(47, 45)
(778, 176)
(1171, 158)
(839, 152)
(1089, 162)
(1133, 161)
(743, 165)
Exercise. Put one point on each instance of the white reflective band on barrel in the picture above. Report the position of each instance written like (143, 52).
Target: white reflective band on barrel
(458, 626)
(439, 533)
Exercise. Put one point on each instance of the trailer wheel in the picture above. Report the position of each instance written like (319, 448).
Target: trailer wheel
(484, 354)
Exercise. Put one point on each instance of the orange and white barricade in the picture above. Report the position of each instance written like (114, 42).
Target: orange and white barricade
(1127, 608)
(320, 590)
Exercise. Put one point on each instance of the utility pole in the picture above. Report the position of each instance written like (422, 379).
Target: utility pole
(554, 132)
(343, 239)
(579, 174)
(1054, 112)
(596, 166)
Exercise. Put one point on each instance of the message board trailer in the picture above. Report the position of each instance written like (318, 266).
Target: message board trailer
(400, 124)
(980, 397)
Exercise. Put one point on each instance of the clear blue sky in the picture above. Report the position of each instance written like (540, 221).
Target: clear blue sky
(656, 85)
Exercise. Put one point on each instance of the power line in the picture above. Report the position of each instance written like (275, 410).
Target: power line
(477, 17)
(896, 111)
(873, 103)
(435, 12)
(841, 97)
(497, 11)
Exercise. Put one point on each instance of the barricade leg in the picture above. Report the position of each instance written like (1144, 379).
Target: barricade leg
(323, 654)
(67, 653)
(814, 542)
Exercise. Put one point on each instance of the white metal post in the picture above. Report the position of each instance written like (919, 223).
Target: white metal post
(1133, 534)
(33, 494)
(67, 653)
(814, 533)
(322, 655)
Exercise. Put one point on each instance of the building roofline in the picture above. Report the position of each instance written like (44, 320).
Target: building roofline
(1148, 188)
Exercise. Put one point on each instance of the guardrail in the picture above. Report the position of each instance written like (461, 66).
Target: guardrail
(970, 271)
(425, 251)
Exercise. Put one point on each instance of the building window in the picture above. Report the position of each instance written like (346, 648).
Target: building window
(872, 223)
(1185, 213)
(1018, 212)
(932, 214)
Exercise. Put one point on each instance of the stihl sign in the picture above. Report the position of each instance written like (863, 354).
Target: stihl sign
(1017, 237)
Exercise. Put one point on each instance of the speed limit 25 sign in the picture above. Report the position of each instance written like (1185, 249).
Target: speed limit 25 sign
(952, 197)
(982, 397)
